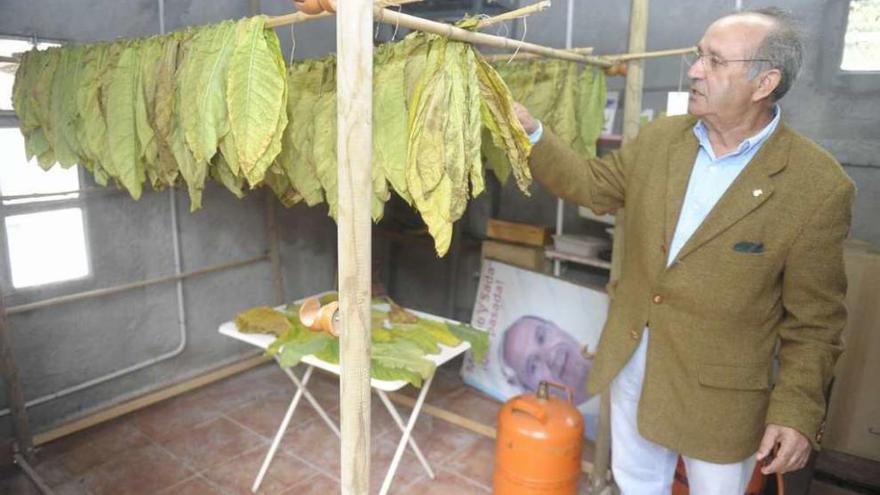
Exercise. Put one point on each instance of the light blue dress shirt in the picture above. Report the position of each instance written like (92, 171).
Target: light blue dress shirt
(710, 178)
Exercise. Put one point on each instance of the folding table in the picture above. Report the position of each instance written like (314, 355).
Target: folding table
(381, 386)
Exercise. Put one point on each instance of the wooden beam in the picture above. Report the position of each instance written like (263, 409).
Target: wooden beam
(15, 396)
(632, 109)
(354, 145)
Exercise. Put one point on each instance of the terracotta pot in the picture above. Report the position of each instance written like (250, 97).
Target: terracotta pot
(308, 312)
(319, 318)
(328, 5)
(310, 7)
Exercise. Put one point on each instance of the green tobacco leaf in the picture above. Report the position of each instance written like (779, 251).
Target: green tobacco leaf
(500, 119)
(262, 319)
(293, 351)
(202, 83)
(163, 119)
(381, 372)
(41, 96)
(221, 173)
(420, 336)
(120, 92)
(323, 150)
(304, 86)
(478, 339)
(254, 100)
(63, 107)
(402, 355)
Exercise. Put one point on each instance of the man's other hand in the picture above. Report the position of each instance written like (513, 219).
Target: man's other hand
(525, 118)
(792, 449)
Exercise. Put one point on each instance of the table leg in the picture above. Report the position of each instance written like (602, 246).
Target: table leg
(412, 443)
(395, 462)
(301, 387)
(309, 397)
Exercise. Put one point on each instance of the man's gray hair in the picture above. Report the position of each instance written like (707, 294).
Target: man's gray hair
(781, 49)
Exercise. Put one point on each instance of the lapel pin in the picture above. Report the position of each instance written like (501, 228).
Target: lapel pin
(757, 192)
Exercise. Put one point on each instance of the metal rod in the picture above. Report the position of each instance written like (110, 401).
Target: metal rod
(134, 285)
(274, 255)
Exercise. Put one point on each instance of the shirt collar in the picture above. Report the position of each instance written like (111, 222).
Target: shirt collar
(702, 134)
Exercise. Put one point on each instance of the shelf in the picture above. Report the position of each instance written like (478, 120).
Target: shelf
(583, 260)
(587, 213)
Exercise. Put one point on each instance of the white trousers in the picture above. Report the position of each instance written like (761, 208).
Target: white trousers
(642, 467)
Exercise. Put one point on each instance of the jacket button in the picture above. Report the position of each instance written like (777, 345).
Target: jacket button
(657, 299)
(634, 335)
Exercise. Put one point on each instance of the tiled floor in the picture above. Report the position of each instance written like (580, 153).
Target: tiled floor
(212, 441)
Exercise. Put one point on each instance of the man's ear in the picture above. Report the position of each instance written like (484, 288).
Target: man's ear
(768, 81)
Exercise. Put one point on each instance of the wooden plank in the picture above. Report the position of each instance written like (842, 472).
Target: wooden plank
(149, 399)
(522, 233)
(354, 88)
(528, 257)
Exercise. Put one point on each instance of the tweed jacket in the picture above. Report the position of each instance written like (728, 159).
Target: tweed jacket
(720, 312)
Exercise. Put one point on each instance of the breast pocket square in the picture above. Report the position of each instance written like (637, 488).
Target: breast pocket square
(749, 247)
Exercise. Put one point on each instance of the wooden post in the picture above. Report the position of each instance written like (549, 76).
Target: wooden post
(9, 371)
(632, 109)
(354, 89)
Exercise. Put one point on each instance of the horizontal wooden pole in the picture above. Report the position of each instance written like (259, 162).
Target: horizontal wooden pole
(501, 57)
(91, 294)
(393, 18)
(458, 34)
(295, 17)
(623, 57)
(149, 399)
(514, 14)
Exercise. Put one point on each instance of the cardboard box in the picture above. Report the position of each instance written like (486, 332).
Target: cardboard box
(520, 233)
(528, 257)
(853, 424)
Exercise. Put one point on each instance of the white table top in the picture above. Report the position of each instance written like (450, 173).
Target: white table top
(263, 341)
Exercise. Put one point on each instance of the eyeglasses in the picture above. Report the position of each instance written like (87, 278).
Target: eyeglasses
(714, 62)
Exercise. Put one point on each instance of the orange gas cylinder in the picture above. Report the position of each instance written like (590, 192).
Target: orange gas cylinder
(538, 450)
(759, 484)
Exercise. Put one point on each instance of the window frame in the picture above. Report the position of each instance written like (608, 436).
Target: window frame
(831, 55)
(8, 120)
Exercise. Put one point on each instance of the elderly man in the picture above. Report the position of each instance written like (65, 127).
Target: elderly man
(733, 256)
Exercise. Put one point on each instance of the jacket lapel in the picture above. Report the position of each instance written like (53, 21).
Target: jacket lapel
(681, 158)
(749, 190)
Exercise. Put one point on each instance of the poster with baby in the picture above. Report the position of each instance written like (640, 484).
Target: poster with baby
(540, 328)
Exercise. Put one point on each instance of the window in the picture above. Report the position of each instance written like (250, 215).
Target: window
(45, 231)
(861, 45)
(8, 48)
